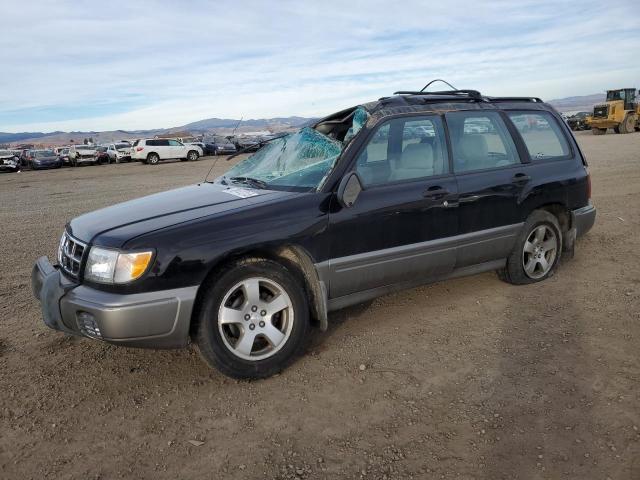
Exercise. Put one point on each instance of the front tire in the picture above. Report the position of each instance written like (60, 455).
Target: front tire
(192, 156)
(537, 251)
(253, 319)
(627, 125)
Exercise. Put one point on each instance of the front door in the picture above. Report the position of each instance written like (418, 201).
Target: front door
(398, 231)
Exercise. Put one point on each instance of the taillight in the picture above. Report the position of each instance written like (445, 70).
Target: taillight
(139, 149)
(589, 186)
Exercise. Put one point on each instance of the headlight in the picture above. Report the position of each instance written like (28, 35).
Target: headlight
(112, 266)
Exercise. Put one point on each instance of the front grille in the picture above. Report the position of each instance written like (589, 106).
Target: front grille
(601, 111)
(70, 254)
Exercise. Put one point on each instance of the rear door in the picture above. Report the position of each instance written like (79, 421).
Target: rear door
(491, 179)
(399, 229)
(558, 174)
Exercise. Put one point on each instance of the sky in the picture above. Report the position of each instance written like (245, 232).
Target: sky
(106, 65)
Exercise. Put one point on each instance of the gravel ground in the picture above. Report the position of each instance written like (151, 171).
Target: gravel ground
(470, 378)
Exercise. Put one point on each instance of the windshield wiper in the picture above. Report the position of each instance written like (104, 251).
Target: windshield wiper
(253, 182)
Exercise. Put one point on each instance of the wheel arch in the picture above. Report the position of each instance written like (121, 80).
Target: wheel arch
(293, 257)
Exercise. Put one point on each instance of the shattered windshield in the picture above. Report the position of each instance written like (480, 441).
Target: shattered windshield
(299, 162)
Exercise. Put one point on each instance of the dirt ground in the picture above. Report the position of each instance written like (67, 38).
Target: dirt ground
(470, 378)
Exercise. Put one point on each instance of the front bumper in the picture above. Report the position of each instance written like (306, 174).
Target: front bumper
(87, 160)
(153, 319)
(53, 164)
(583, 219)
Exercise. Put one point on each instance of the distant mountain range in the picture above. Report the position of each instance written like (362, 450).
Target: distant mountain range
(224, 126)
(582, 103)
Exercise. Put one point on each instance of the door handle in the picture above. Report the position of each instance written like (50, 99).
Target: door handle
(520, 178)
(435, 192)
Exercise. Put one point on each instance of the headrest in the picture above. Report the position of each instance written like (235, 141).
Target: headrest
(417, 155)
(474, 146)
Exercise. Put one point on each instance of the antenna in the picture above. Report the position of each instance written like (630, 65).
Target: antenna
(218, 156)
(438, 80)
(237, 125)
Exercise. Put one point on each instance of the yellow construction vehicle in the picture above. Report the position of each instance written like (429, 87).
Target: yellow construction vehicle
(621, 112)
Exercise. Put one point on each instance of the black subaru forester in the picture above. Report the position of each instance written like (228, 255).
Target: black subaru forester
(410, 189)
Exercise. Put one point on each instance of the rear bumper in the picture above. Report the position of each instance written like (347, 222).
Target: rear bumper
(583, 219)
(154, 319)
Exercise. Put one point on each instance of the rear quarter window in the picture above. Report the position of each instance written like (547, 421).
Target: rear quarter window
(541, 135)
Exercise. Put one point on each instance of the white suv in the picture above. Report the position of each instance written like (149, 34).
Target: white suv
(152, 150)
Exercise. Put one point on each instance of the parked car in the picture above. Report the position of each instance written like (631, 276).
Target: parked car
(119, 152)
(9, 161)
(152, 150)
(579, 121)
(200, 145)
(25, 157)
(248, 144)
(63, 155)
(219, 146)
(82, 154)
(312, 223)
(38, 159)
(102, 156)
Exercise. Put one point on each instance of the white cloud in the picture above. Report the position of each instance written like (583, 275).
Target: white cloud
(107, 65)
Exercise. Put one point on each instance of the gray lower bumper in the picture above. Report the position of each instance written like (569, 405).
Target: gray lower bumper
(583, 219)
(152, 319)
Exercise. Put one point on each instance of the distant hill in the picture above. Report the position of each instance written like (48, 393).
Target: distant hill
(223, 126)
(213, 123)
(17, 137)
(576, 104)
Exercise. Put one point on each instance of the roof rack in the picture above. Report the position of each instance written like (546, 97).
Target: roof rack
(473, 94)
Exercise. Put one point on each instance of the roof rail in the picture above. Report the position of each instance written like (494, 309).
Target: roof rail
(474, 94)
(514, 99)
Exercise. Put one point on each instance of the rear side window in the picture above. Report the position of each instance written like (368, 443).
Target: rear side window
(480, 141)
(541, 134)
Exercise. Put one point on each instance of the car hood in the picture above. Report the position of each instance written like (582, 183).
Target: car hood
(113, 226)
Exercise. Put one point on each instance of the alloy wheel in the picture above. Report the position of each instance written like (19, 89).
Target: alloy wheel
(255, 318)
(539, 252)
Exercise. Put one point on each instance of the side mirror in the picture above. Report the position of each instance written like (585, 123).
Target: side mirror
(349, 189)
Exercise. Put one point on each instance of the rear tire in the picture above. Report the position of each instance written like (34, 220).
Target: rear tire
(537, 251)
(253, 319)
(598, 131)
(152, 159)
